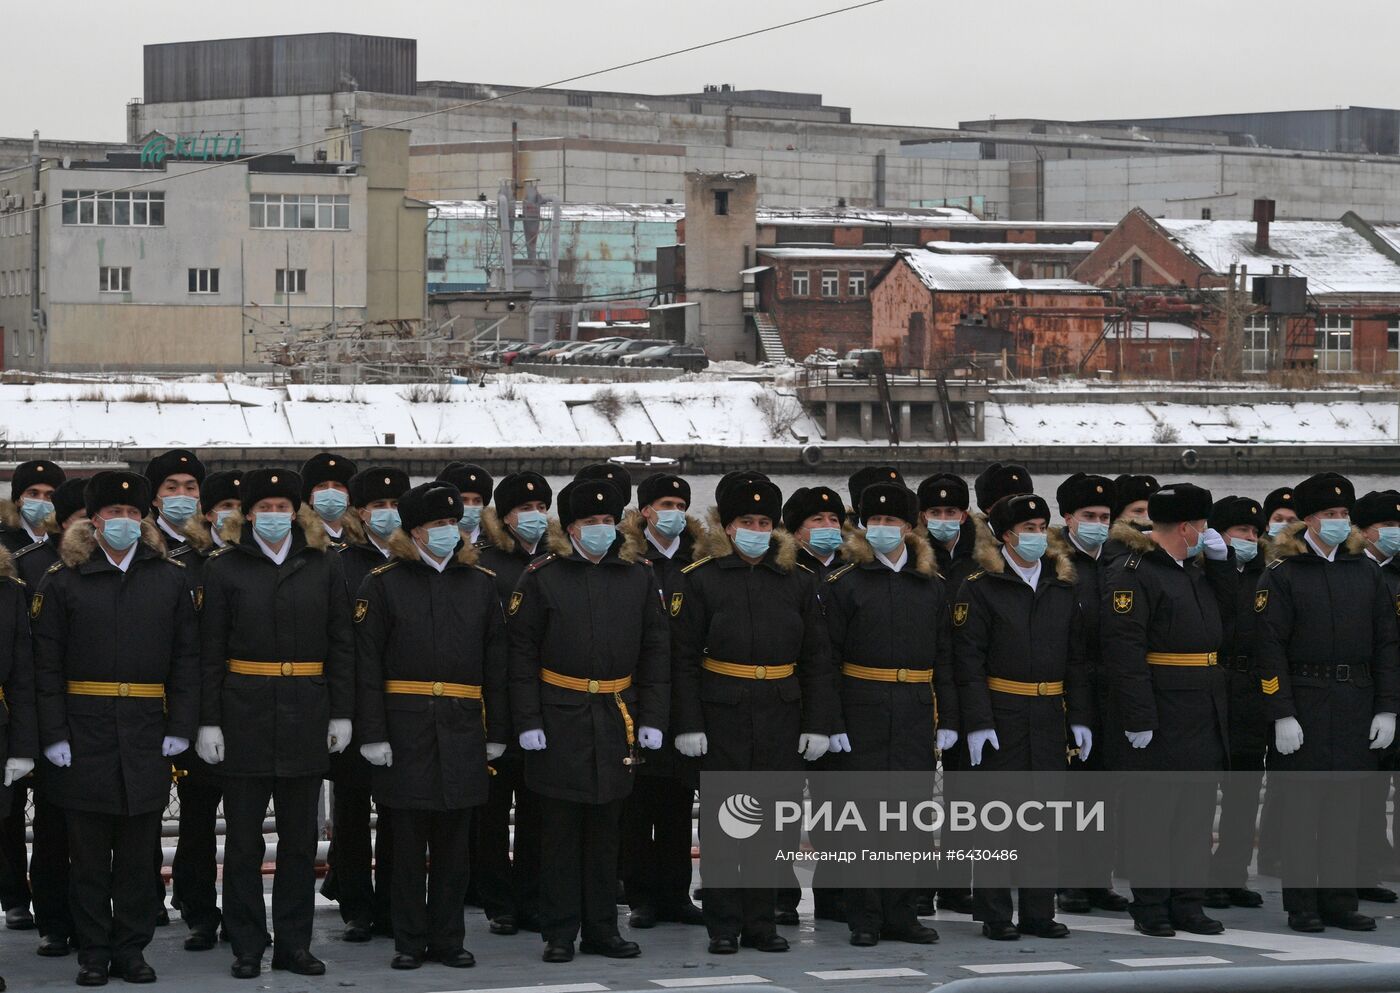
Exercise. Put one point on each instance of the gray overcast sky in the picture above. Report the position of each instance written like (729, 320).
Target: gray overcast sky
(930, 62)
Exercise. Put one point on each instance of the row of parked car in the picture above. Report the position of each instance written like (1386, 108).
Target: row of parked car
(627, 352)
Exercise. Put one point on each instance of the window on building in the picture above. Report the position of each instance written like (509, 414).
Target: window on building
(721, 202)
(580, 99)
(1333, 344)
(1392, 342)
(204, 280)
(1137, 272)
(309, 211)
(831, 283)
(291, 280)
(122, 208)
(114, 279)
(801, 282)
(1255, 355)
(437, 264)
(855, 283)
(1205, 213)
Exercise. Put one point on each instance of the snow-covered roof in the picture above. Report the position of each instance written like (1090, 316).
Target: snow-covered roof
(959, 272)
(973, 221)
(1012, 247)
(853, 254)
(1062, 286)
(674, 306)
(841, 216)
(575, 213)
(1155, 330)
(1335, 258)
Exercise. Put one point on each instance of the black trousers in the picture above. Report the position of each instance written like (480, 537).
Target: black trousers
(656, 842)
(578, 869)
(14, 855)
(1376, 857)
(294, 883)
(1239, 813)
(49, 868)
(432, 850)
(114, 904)
(508, 886)
(879, 911)
(194, 872)
(954, 876)
(1328, 824)
(359, 869)
(1174, 847)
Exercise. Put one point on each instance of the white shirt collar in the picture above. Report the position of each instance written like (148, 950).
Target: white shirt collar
(214, 535)
(824, 560)
(376, 545)
(30, 531)
(667, 550)
(164, 526)
(439, 566)
(1031, 575)
(331, 530)
(896, 564)
(1376, 560)
(277, 557)
(475, 536)
(125, 562)
(1329, 556)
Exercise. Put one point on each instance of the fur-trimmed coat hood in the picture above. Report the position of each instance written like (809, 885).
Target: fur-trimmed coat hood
(857, 550)
(405, 549)
(310, 521)
(11, 518)
(634, 523)
(7, 564)
(1290, 542)
(495, 530)
(716, 544)
(987, 552)
(80, 541)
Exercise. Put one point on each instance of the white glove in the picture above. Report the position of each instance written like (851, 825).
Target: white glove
(945, 739)
(1083, 740)
(378, 753)
(60, 754)
(692, 745)
(840, 743)
(338, 736)
(173, 746)
(532, 741)
(494, 750)
(975, 741)
(1288, 735)
(1139, 739)
(813, 746)
(648, 737)
(1216, 549)
(209, 745)
(1382, 730)
(17, 769)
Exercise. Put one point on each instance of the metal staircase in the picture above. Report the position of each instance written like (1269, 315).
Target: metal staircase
(768, 338)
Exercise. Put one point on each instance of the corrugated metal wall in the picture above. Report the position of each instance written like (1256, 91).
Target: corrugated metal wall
(1348, 129)
(284, 65)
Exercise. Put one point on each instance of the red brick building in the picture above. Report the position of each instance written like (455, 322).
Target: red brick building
(817, 297)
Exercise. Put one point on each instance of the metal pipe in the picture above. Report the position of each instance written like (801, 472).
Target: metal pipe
(1370, 977)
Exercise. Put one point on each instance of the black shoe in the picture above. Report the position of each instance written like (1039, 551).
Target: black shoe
(1217, 899)
(786, 918)
(136, 970)
(765, 942)
(723, 946)
(923, 905)
(1350, 921)
(357, 933)
(864, 939)
(1154, 929)
(558, 951)
(1043, 929)
(1241, 896)
(54, 946)
(916, 934)
(1376, 894)
(614, 946)
(301, 962)
(686, 913)
(458, 958)
(1199, 924)
(1306, 922)
(246, 967)
(955, 903)
(2, 984)
(642, 916)
(505, 924)
(199, 939)
(406, 960)
(1000, 931)
(1072, 901)
(1105, 899)
(91, 977)
(19, 919)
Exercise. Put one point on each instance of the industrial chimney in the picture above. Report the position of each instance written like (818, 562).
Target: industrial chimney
(1263, 214)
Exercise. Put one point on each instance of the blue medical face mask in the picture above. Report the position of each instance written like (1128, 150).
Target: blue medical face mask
(1091, 535)
(944, 531)
(824, 541)
(596, 539)
(178, 509)
(1388, 540)
(1276, 527)
(754, 544)
(34, 511)
(670, 523)
(220, 516)
(384, 521)
(121, 532)
(531, 525)
(330, 504)
(1246, 550)
(1193, 550)
(884, 538)
(442, 540)
(471, 519)
(272, 526)
(1334, 532)
(1030, 546)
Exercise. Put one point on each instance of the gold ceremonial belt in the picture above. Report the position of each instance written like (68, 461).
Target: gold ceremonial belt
(408, 687)
(142, 691)
(749, 671)
(1019, 688)
(886, 675)
(584, 685)
(245, 668)
(1174, 658)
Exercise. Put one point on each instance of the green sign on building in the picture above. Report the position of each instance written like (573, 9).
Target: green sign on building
(190, 148)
